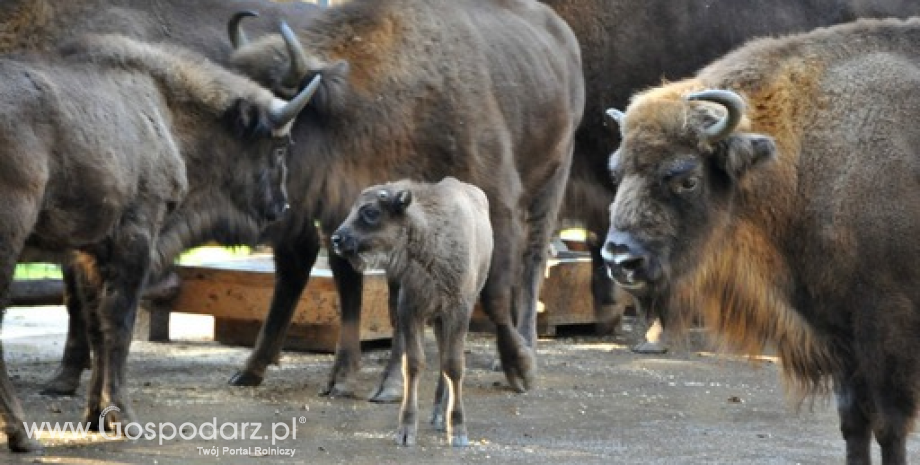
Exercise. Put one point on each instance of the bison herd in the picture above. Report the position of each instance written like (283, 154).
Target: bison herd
(734, 190)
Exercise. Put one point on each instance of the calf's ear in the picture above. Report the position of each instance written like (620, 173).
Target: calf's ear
(402, 200)
(738, 154)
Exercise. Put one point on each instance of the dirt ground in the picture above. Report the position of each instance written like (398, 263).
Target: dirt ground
(596, 402)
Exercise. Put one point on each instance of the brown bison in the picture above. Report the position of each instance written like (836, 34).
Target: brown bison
(101, 148)
(630, 45)
(435, 240)
(489, 92)
(777, 193)
(201, 25)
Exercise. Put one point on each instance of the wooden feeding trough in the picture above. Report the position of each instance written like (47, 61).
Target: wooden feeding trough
(237, 292)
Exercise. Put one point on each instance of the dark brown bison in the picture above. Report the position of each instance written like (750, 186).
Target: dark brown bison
(201, 25)
(435, 240)
(630, 45)
(486, 91)
(105, 145)
(777, 194)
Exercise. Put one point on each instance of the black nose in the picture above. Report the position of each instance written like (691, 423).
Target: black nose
(336, 240)
(627, 262)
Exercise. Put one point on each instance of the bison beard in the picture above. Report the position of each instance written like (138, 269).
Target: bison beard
(783, 205)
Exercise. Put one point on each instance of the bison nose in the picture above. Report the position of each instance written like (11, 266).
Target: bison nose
(627, 262)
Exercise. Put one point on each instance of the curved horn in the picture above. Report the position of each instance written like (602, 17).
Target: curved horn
(615, 115)
(286, 113)
(298, 56)
(734, 106)
(237, 36)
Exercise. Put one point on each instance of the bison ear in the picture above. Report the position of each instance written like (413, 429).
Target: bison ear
(330, 95)
(740, 153)
(402, 200)
(247, 119)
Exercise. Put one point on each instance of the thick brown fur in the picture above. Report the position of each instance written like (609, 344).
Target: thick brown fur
(630, 45)
(103, 145)
(436, 241)
(802, 235)
(486, 91)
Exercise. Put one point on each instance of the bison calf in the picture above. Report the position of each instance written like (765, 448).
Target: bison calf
(436, 241)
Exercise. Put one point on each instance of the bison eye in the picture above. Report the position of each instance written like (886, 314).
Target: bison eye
(685, 185)
(370, 215)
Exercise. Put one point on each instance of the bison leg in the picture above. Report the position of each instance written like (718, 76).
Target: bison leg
(18, 439)
(66, 378)
(391, 383)
(412, 327)
(11, 411)
(516, 357)
(348, 349)
(295, 254)
(853, 408)
(122, 266)
(18, 222)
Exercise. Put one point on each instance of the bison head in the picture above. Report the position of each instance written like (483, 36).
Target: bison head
(679, 168)
(280, 62)
(266, 139)
(374, 228)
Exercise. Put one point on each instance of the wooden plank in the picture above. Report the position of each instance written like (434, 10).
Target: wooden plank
(238, 293)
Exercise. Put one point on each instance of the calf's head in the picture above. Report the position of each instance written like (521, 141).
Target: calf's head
(375, 227)
(678, 172)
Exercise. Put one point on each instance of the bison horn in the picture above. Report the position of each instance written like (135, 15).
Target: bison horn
(734, 106)
(237, 36)
(615, 115)
(298, 57)
(285, 114)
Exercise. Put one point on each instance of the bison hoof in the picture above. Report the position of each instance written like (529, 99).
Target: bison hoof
(607, 327)
(61, 385)
(20, 442)
(460, 441)
(650, 348)
(405, 436)
(438, 421)
(337, 390)
(387, 395)
(242, 378)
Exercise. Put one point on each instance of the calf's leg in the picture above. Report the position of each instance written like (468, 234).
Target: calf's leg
(450, 346)
(412, 326)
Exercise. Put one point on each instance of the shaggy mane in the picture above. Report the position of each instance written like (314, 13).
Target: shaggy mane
(187, 76)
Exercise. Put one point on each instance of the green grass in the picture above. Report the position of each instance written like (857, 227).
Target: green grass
(27, 271)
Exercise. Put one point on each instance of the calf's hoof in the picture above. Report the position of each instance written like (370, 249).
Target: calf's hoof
(405, 436)
(460, 440)
(438, 421)
(521, 374)
(62, 384)
(244, 378)
(109, 418)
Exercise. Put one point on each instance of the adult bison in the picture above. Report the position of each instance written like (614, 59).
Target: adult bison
(40, 26)
(486, 91)
(104, 146)
(630, 45)
(777, 193)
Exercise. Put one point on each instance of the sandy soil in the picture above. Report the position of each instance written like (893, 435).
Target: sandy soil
(596, 403)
